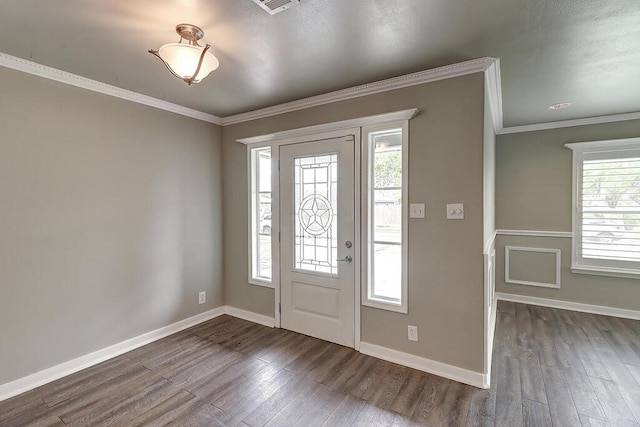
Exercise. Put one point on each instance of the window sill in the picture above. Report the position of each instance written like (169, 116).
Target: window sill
(262, 283)
(606, 271)
(398, 308)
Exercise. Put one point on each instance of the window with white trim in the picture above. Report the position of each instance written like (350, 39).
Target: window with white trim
(606, 222)
(384, 210)
(260, 205)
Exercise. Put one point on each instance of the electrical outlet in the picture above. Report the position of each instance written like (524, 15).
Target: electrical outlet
(412, 332)
(202, 297)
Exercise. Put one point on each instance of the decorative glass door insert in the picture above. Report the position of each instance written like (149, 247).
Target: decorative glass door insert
(315, 213)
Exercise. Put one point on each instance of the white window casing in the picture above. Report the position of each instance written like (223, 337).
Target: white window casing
(384, 223)
(606, 208)
(358, 126)
(260, 216)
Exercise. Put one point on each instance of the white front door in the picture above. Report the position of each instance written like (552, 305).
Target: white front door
(317, 233)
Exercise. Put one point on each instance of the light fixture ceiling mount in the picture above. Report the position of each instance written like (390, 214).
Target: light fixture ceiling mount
(190, 32)
(188, 61)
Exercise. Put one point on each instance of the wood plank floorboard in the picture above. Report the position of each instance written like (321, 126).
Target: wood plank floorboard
(550, 368)
(406, 400)
(371, 382)
(535, 414)
(390, 386)
(509, 392)
(482, 411)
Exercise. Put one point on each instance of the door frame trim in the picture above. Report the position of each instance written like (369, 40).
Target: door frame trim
(357, 261)
(275, 217)
(309, 133)
(343, 126)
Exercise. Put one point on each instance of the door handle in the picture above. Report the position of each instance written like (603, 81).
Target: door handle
(346, 259)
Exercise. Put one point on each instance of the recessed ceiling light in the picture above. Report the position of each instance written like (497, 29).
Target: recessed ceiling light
(559, 105)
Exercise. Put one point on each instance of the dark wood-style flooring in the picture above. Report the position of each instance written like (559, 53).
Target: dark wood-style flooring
(550, 368)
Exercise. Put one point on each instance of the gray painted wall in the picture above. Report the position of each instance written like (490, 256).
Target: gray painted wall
(533, 192)
(110, 222)
(445, 257)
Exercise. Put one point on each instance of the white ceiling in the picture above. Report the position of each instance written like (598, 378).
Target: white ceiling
(583, 51)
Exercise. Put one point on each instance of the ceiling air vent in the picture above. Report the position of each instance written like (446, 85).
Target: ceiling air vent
(275, 6)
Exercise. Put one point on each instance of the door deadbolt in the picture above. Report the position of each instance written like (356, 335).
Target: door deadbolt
(348, 243)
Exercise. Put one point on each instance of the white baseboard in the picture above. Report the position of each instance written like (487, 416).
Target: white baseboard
(476, 379)
(21, 385)
(45, 376)
(568, 305)
(250, 316)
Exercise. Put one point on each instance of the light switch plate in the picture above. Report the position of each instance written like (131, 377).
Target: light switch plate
(455, 211)
(416, 210)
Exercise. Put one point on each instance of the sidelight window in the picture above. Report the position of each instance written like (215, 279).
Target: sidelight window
(384, 216)
(260, 203)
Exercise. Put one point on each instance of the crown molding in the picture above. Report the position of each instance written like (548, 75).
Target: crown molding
(493, 83)
(421, 77)
(330, 127)
(608, 145)
(570, 123)
(29, 67)
(487, 64)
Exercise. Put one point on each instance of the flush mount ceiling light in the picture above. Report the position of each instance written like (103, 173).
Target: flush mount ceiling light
(188, 61)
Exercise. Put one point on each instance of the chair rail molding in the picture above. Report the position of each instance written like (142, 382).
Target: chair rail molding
(534, 233)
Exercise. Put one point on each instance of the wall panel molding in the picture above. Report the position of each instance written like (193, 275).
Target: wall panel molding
(489, 304)
(507, 266)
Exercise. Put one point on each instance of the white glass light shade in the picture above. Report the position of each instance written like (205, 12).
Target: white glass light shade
(183, 60)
